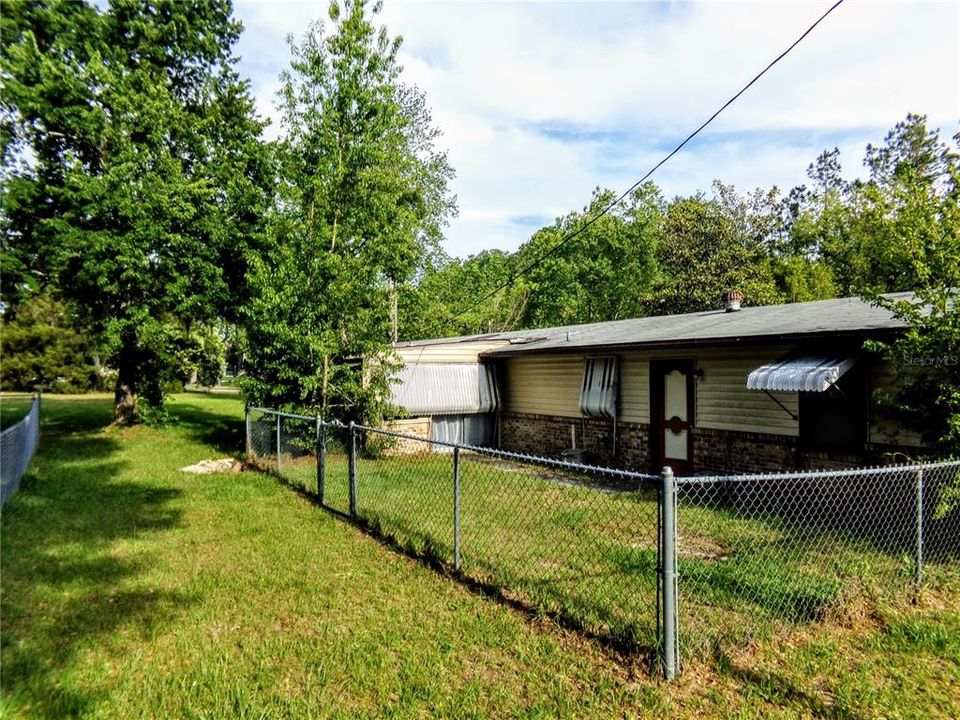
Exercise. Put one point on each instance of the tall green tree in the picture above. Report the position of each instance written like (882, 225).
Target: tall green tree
(901, 212)
(874, 234)
(362, 201)
(133, 174)
(604, 273)
(912, 209)
(926, 397)
(442, 299)
(42, 346)
(765, 219)
(896, 230)
(702, 254)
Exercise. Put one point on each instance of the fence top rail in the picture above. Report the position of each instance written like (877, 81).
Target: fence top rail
(295, 416)
(24, 420)
(522, 457)
(819, 474)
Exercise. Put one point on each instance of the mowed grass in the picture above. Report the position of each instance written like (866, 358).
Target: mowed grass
(13, 408)
(582, 554)
(130, 589)
(586, 554)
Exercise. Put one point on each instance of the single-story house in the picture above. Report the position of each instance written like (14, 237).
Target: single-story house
(731, 390)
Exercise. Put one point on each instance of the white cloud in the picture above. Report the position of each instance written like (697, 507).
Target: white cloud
(539, 103)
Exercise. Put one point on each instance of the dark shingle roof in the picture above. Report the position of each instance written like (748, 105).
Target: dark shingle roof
(821, 318)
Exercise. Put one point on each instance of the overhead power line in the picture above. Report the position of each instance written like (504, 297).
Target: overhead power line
(566, 239)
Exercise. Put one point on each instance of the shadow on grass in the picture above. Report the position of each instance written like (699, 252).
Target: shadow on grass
(64, 589)
(776, 688)
(212, 419)
(880, 511)
(13, 408)
(763, 585)
(628, 642)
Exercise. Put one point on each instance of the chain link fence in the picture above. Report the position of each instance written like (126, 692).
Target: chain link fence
(670, 566)
(758, 552)
(17, 446)
(576, 542)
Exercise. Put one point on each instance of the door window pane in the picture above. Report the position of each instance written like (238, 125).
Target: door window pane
(675, 395)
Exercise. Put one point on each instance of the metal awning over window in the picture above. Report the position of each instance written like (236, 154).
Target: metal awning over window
(804, 374)
(446, 389)
(598, 393)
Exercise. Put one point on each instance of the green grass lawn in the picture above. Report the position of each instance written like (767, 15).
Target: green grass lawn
(13, 408)
(131, 589)
(583, 554)
(563, 545)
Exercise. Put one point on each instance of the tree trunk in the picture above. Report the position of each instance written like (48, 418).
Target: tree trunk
(124, 398)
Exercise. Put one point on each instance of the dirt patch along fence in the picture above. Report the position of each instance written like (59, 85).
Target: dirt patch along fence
(655, 565)
(18, 443)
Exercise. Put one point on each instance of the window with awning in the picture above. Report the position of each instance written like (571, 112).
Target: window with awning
(800, 374)
(598, 393)
(834, 394)
(478, 430)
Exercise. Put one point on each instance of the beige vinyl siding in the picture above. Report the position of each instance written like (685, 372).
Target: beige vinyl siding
(882, 430)
(544, 385)
(724, 403)
(463, 352)
(722, 399)
(635, 388)
(550, 385)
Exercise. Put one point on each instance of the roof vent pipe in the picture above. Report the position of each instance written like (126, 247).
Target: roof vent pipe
(732, 300)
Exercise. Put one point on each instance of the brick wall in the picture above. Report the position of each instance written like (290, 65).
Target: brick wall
(418, 427)
(550, 436)
(723, 451)
(714, 451)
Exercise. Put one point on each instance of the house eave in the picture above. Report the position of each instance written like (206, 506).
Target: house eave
(697, 343)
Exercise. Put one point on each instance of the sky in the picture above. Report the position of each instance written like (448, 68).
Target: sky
(540, 103)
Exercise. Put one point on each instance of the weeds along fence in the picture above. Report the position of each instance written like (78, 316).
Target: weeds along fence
(17, 446)
(666, 566)
(756, 553)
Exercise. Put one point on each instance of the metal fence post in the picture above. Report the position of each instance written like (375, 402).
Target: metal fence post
(246, 422)
(919, 539)
(278, 444)
(669, 572)
(39, 416)
(321, 457)
(456, 508)
(353, 470)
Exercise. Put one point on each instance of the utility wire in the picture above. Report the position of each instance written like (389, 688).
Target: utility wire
(565, 240)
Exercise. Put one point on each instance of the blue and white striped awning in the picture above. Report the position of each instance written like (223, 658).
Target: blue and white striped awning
(445, 389)
(804, 374)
